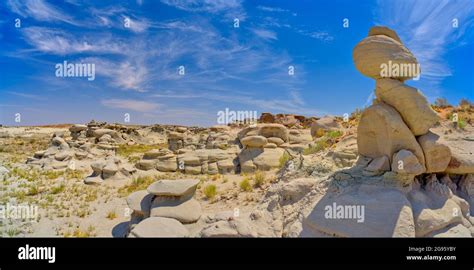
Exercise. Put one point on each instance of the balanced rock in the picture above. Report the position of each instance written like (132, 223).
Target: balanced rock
(384, 31)
(273, 130)
(173, 187)
(374, 51)
(77, 128)
(187, 211)
(409, 102)
(254, 141)
(140, 202)
(382, 132)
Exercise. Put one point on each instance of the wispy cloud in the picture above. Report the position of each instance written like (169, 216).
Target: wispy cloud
(265, 34)
(40, 10)
(130, 104)
(59, 42)
(275, 9)
(24, 95)
(320, 35)
(229, 7)
(426, 28)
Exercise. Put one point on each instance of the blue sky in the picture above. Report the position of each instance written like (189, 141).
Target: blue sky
(244, 68)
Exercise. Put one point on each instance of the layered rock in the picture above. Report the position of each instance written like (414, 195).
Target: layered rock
(379, 48)
(409, 102)
(161, 210)
(382, 132)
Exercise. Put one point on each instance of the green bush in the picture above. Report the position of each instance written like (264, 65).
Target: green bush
(210, 191)
(259, 178)
(245, 185)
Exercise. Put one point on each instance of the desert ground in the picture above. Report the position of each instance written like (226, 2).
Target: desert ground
(399, 168)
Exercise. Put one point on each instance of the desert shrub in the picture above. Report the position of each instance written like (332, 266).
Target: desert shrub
(283, 159)
(318, 146)
(210, 191)
(461, 124)
(57, 189)
(245, 185)
(333, 134)
(138, 183)
(33, 190)
(259, 178)
(111, 215)
(319, 133)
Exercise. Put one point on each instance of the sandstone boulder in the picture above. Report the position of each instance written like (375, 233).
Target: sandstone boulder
(273, 130)
(386, 213)
(178, 188)
(462, 156)
(140, 202)
(382, 132)
(410, 104)
(254, 141)
(385, 31)
(320, 126)
(405, 162)
(437, 154)
(373, 51)
(188, 211)
(159, 227)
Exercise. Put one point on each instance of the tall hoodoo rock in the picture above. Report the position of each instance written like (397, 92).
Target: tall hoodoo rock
(400, 113)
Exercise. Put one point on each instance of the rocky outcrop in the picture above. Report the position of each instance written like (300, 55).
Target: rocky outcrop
(382, 132)
(409, 102)
(162, 209)
(288, 120)
(320, 126)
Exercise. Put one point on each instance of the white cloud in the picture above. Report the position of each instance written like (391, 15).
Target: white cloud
(123, 74)
(212, 6)
(272, 9)
(130, 104)
(40, 10)
(320, 35)
(58, 42)
(426, 29)
(265, 34)
(231, 8)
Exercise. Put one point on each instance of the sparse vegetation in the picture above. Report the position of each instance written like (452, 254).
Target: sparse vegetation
(283, 159)
(57, 189)
(245, 185)
(139, 183)
(318, 146)
(210, 191)
(259, 178)
(329, 139)
(111, 215)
